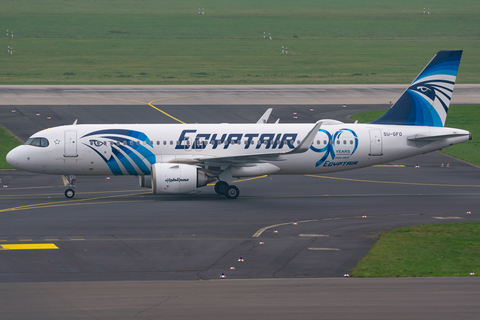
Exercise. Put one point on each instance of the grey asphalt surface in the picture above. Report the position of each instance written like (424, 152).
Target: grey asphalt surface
(216, 94)
(127, 233)
(420, 298)
(127, 254)
(25, 121)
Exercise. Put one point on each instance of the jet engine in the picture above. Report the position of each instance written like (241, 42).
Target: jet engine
(177, 178)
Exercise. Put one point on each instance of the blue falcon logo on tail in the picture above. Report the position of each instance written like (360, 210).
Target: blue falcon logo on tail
(426, 101)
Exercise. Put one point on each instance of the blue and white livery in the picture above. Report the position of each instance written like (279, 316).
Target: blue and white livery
(180, 158)
(426, 101)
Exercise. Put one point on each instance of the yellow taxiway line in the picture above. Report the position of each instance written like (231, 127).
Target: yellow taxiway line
(30, 246)
(242, 180)
(151, 105)
(395, 182)
(71, 202)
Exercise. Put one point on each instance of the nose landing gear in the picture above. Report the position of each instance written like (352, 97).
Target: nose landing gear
(69, 193)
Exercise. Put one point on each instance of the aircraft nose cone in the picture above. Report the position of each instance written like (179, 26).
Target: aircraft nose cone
(12, 158)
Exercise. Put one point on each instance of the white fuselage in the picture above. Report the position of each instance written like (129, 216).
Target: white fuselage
(131, 149)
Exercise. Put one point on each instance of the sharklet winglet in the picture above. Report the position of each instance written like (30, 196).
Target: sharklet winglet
(308, 140)
(264, 118)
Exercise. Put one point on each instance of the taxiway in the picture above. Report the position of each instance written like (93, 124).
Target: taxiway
(124, 253)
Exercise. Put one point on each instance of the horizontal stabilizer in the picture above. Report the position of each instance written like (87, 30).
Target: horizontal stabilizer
(422, 137)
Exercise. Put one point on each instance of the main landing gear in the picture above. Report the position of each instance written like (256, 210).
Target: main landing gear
(69, 193)
(229, 191)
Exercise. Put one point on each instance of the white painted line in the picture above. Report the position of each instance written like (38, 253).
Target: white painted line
(260, 231)
(313, 235)
(324, 249)
(195, 90)
(447, 218)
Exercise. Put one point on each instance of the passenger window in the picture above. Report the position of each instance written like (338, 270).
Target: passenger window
(338, 141)
(351, 141)
(171, 142)
(344, 141)
(324, 141)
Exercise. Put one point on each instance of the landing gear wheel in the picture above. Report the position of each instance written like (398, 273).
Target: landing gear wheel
(232, 192)
(69, 193)
(221, 187)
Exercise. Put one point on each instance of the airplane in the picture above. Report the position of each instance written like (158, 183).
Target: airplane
(180, 158)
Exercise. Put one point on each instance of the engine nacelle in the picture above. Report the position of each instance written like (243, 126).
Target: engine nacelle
(177, 178)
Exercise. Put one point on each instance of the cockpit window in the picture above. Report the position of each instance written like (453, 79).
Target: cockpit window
(37, 142)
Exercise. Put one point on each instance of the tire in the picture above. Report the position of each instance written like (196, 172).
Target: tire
(221, 187)
(69, 193)
(232, 192)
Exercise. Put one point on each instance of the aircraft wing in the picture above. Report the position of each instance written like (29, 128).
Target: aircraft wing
(247, 160)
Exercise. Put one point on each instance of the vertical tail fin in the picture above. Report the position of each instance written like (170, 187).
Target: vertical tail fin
(426, 101)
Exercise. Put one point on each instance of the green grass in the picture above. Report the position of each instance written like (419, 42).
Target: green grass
(467, 118)
(181, 61)
(7, 143)
(461, 117)
(442, 250)
(167, 42)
